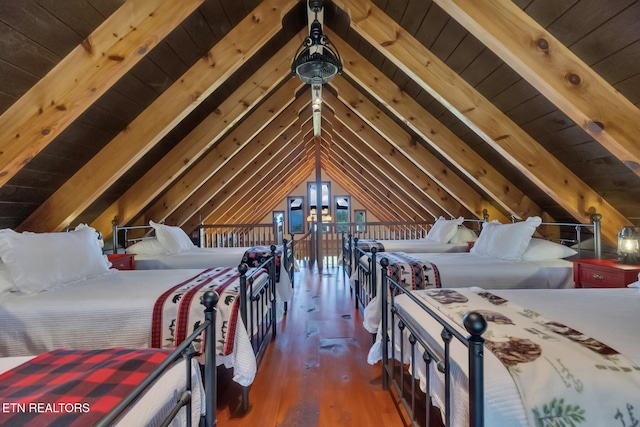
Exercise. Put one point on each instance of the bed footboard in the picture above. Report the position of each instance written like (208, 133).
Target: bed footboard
(184, 350)
(396, 327)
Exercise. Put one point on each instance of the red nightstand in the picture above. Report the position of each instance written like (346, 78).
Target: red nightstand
(603, 273)
(122, 261)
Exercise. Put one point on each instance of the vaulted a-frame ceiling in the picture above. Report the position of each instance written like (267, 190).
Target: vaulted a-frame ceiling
(186, 111)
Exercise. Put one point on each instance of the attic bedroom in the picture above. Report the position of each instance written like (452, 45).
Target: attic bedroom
(335, 170)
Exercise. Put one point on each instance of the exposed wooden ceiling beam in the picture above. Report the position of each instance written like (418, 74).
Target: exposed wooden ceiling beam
(480, 172)
(220, 208)
(257, 130)
(397, 144)
(245, 166)
(84, 75)
(481, 116)
(232, 110)
(556, 72)
(175, 103)
(256, 204)
(381, 175)
(393, 206)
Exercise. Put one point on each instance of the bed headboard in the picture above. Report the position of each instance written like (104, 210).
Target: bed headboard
(579, 229)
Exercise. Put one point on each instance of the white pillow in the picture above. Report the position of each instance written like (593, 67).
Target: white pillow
(482, 243)
(147, 247)
(44, 261)
(463, 235)
(542, 250)
(443, 230)
(6, 282)
(508, 241)
(173, 239)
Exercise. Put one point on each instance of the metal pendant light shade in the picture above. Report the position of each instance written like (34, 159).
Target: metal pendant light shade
(316, 61)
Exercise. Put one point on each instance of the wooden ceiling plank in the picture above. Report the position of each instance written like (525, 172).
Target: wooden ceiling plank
(385, 152)
(252, 205)
(160, 117)
(84, 75)
(382, 171)
(501, 133)
(368, 200)
(556, 72)
(257, 204)
(219, 207)
(433, 132)
(198, 141)
(402, 144)
(389, 194)
(243, 166)
(258, 130)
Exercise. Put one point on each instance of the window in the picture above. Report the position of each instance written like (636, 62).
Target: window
(342, 209)
(296, 214)
(360, 220)
(313, 200)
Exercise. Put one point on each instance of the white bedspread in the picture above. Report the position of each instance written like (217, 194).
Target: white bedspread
(420, 246)
(460, 270)
(608, 315)
(113, 310)
(207, 258)
(155, 403)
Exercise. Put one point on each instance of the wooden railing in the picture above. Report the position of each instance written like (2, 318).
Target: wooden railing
(240, 235)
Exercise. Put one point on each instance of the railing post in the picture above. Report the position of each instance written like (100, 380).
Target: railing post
(201, 232)
(475, 324)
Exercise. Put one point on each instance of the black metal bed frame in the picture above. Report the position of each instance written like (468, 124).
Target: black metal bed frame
(184, 350)
(258, 333)
(366, 273)
(474, 323)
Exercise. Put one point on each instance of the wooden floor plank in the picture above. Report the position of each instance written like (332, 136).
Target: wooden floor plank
(315, 373)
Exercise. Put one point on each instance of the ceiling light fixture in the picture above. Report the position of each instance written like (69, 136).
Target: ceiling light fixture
(316, 61)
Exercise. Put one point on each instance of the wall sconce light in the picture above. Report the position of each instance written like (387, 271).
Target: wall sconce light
(628, 245)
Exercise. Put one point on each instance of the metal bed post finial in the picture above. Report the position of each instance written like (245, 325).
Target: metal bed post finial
(210, 300)
(597, 236)
(475, 324)
(485, 215)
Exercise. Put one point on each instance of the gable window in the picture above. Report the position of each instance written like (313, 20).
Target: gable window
(295, 210)
(342, 207)
(360, 220)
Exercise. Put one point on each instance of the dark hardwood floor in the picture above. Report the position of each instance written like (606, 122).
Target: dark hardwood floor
(315, 373)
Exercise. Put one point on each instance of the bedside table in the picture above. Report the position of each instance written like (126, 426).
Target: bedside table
(122, 261)
(603, 273)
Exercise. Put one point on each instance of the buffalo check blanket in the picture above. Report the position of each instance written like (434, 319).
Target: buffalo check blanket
(564, 377)
(414, 274)
(72, 388)
(257, 255)
(179, 311)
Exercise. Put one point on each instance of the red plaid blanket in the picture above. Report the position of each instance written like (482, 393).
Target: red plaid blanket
(70, 388)
(178, 311)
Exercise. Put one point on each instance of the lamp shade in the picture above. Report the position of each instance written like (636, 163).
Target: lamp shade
(628, 245)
